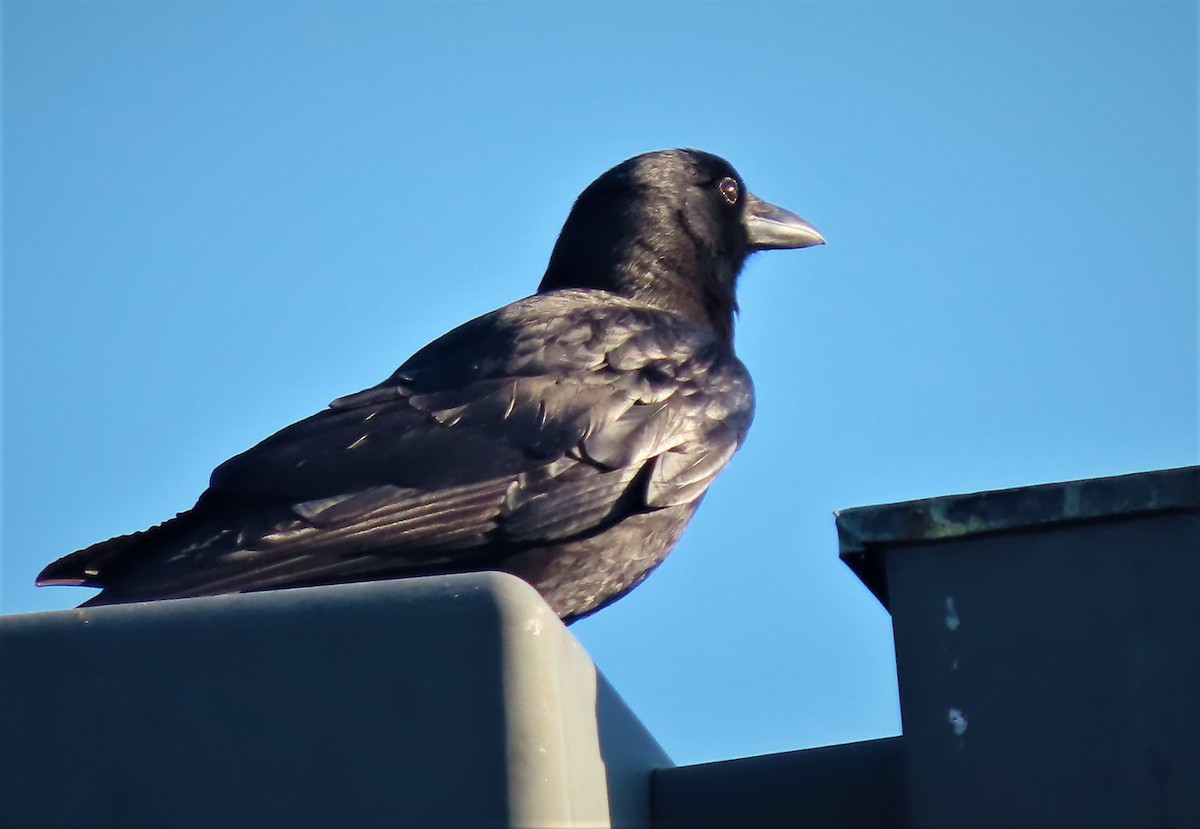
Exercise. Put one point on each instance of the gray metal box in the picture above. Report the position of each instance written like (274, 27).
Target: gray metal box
(445, 701)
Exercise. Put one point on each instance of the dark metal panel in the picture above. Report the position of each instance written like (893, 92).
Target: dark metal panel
(1052, 677)
(854, 785)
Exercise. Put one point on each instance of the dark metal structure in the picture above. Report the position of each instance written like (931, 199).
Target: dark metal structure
(1048, 649)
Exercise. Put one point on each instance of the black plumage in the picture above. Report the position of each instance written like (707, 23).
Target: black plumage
(566, 438)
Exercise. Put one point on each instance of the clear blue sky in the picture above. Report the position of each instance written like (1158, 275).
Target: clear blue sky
(220, 216)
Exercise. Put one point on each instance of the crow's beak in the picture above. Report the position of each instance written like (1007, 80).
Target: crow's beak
(772, 227)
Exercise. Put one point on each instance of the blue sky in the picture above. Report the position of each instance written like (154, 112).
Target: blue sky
(220, 216)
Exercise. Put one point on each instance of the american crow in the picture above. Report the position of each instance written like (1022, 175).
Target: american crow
(566, 438)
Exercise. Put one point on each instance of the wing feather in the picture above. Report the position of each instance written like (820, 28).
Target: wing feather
(551, 419)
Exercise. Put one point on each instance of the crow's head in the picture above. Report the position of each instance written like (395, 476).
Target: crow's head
(673, 229)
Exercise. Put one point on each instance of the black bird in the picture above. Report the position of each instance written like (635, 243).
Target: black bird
(566, 438)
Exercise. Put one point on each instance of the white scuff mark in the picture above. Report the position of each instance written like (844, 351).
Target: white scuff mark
(954, 665)
(957, 720)
(534, 626)
(952, 620)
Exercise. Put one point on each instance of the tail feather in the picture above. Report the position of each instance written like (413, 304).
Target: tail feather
(92, 566)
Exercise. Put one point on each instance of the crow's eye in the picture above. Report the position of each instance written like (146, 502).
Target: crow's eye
(729, 189)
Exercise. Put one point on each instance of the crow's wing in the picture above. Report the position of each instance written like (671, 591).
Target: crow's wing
(552, 418)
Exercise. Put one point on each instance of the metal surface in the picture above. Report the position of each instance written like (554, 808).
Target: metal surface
(445, 701)
(864, 531)
(857, 785)
(1052, 678)
(1048, 650)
